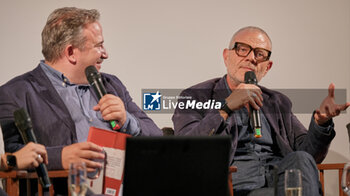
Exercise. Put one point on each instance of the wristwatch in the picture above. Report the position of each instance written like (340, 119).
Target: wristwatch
(226, 108)
(11, 161)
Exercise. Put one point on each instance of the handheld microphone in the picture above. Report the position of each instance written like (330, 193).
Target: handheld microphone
(25, 127)
(94, 79)
(250, 78)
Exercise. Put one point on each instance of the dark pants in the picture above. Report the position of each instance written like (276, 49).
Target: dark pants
(296, 160)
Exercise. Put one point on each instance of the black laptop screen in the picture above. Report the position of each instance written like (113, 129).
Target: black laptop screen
(176, 166)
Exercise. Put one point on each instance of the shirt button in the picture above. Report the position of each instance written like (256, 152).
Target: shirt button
(90, 119)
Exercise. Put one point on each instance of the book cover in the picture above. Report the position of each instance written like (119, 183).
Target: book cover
(113, 143)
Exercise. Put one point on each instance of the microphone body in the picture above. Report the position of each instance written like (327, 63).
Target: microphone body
(94, 78)
(250, 78)
(24, 125)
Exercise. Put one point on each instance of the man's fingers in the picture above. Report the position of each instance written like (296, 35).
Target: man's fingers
(318, 112)
(108, 98)
(115, 102)
(258, 101)
(35, 163)
(257, 97)
(38, 152)
(113, 116)
(92, 164)
(40, 148)
(323, 114)
(111, 109)
(78, 151)
(332, 109)
(256, 93)
(89, 164)
(327, 111)
(260, 98)
(344, 106)
(88, 169)
(253, 103)
(90, 146)
(96, 108)
(45, 158)
(88, 154)
(39, 158)
(36, 159)
(331, 90)
(337, 112)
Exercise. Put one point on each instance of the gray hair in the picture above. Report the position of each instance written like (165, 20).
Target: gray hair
(65, 26)
(251, 28)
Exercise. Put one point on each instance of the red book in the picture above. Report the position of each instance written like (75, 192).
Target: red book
(114, 145)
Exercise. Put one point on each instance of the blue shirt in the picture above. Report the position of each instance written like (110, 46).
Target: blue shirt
(254, 156)
(79, 102)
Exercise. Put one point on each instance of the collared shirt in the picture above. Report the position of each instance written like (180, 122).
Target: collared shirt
(252, 155)
(79, 102)
(255, 156)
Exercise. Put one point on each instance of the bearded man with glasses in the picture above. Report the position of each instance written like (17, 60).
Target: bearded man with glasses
(285, 143)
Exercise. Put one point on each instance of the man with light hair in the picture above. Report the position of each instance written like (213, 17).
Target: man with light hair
(59, 99)
(284, 142)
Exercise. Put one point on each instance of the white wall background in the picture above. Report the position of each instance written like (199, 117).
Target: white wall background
(175, 44)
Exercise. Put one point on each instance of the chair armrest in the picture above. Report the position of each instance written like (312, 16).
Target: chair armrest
(230, 171)
(12, 179)
(331, 166)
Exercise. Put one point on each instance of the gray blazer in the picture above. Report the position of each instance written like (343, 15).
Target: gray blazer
(287, 131)
(52, 123)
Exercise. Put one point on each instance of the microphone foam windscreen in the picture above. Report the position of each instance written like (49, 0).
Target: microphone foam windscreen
(22, 119)
(250, 78)
(90, 72)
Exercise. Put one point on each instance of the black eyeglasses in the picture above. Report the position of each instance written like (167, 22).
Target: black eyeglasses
(244, 50)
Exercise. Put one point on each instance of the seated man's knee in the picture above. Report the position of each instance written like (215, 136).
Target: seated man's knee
(301, 157)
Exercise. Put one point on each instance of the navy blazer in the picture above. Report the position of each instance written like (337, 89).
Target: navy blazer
(287, 131)
(52, 123)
